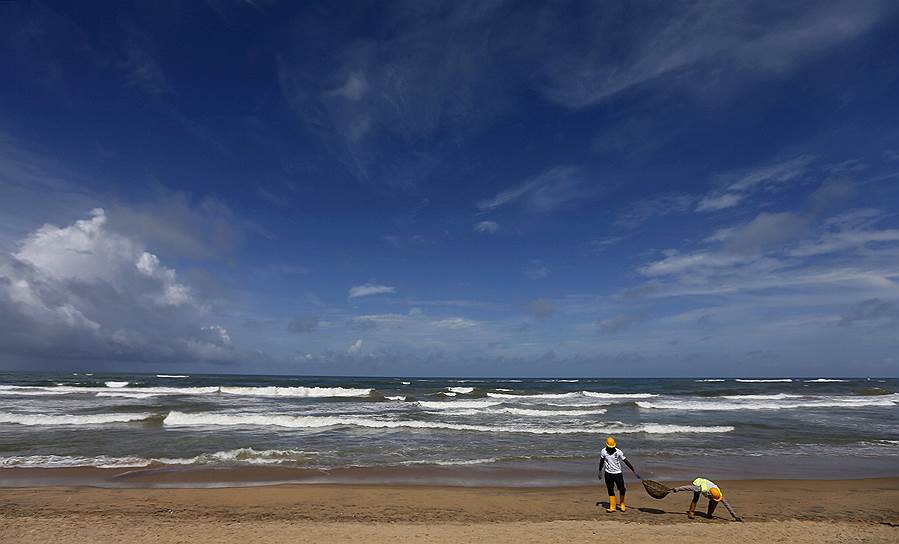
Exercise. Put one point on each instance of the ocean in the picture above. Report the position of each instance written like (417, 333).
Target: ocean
(442, 430)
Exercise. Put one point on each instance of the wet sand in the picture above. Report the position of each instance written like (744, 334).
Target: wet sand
(776, 510)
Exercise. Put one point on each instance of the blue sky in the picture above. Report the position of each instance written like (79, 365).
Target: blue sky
(464, 188)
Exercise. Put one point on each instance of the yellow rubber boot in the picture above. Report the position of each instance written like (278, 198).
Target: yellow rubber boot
(623, 507)
(611, 504)
(692, 511)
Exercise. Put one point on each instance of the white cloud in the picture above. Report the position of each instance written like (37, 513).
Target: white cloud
(537, 271)
(179, 225)
(488, 227)
(220, 333)
(378, 321)
(85, 291)
(690, 47)
(766, 231)
(619, 322)
(678, 263)
(370, 289)
(455, 323)
(549, 191)
(711, 203)
(355, 347)
(739, 185)
(355, 87)
(842, 241)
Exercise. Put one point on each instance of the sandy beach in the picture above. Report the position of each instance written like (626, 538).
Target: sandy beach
(775, 510)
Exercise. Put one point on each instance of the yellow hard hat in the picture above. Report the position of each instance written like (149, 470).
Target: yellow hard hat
(610, 442)
(715, 493)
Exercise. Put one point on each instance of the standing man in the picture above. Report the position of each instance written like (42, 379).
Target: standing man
(610, 459)
(711, 491)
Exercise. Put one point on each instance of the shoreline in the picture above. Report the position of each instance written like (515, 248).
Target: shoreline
(803, 511)
(540, 474)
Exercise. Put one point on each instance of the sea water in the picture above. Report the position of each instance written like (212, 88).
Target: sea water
(516, 431)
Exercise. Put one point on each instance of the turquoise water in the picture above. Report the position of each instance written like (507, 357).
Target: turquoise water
(547, 428)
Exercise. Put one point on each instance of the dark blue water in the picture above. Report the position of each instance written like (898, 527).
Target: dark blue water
(804, 427)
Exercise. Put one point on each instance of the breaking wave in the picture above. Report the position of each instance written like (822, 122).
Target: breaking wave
(546, 413)
(241, 456)
(296, 391)
(128, 395)
(572, 395)
(778, 396)
(69, 419)
(302, 392)
(176, 418)
(771, 403)
(457, 404)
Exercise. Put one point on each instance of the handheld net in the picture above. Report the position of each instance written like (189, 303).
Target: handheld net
(655, 489)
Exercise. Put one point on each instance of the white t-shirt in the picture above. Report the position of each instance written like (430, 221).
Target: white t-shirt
(613, 460)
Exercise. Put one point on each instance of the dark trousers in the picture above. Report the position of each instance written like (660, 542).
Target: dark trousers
(712, 504)
(613, 480)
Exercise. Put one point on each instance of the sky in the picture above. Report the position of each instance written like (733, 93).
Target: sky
(482, 188)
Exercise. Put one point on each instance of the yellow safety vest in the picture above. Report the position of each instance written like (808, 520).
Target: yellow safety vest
(704, 485)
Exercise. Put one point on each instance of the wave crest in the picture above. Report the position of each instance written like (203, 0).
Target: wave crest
(70, 419)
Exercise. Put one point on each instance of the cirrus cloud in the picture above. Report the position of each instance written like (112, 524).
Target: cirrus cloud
(370, 289)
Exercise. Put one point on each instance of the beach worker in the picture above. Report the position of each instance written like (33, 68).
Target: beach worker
(610, 460)
(711, 491)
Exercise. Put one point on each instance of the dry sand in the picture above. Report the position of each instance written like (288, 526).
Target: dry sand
(775, 511)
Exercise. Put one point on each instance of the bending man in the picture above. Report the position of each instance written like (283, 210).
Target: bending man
(610, 459)
(711, 491)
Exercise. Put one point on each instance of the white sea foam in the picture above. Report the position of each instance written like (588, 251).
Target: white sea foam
(58, 461)
(824, 380)
(712, 380)
(448, 462)
(396, 398)
(591, 394)
(545, 413)
(457, 404)
(524, 396)
(30, 392)
(127, 395)
(69, 419)
(172, 376)
(247, 456)
(778, 380)
(176, 418)
(310, 392)
(658, 428)
(579, 403)
(453, 462)
(461, 390)
(116, 384)
(406, 383)
(784, 404)
(777, 396)
(572, 395)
